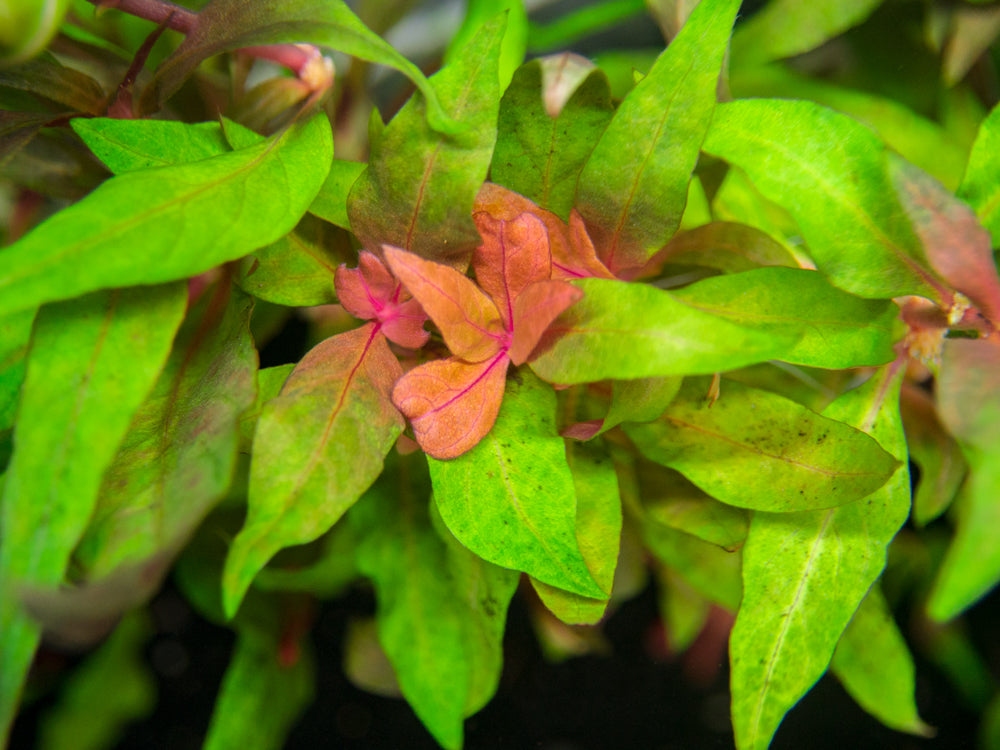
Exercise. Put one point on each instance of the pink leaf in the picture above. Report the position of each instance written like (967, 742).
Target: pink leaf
(514, 253)
(405, 326)
(468, 319)
(535, 309)
(451, 404)
(364, 289)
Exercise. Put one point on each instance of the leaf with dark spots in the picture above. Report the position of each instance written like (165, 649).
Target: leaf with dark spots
(535, 309)
(956, 244)
(301, 479)
(468, 319)
(514, 253)
(757, 450)
(452, 404)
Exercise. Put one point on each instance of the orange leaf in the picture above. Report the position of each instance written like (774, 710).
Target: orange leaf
(468, 319)
(452, 404)
(514, 253)
(405, 325)
(535, 309)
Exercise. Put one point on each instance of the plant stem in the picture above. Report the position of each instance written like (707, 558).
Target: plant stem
(158, 11)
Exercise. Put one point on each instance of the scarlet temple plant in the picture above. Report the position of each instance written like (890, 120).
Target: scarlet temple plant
(633, 320)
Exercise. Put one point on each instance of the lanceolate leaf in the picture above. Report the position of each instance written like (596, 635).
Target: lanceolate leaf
(979, 186)
(540, 153)
(835, 330)
(45, 76)
(875, 666)
(129, 145)
(258, 684)
(318, 446)
(330, 203)
(804, 576)
(634, 185)
(441, 609)
(627, 330)
(418, 190)
(786, 28)
(225, 25)
(757, 450)
(163, 224)
(511, 499)
(178, 458)
(831, 173)
(92, 363)
(598, 532)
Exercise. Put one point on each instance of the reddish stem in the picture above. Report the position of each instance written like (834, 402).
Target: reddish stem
(158, 11)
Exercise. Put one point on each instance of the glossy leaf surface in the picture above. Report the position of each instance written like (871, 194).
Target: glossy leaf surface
(835, 330)
(511, 499)
(757, 450)
(301, 478)
(805, 575)
(831, 173)
(634, 185)
(623, 330)
(190, 217)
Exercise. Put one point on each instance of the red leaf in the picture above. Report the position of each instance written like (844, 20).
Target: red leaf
(583, 430)
(468, 319)
(572, 252)
(370, 292)
(452, 404)
(968, 390)
(514, 254)
(535, 309)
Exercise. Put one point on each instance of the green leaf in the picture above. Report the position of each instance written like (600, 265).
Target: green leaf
(418, 190)
(875, 666)
(572, 26)
(269, 383)
(805, 575)
(92, 362)
(598, 533)
(28, 27)
(178, 459)
(297, 270)
(15, 334)
(835, 329)
(511, 499)
(262, 695)
(225, 25)
(541, 149)
(625, 330)
(330, 203)
(675, 502)
(319, 445)
(131, 145)
(684, 611)
(707, 568)
(113, 687)
(480, 12)
(189, 217)
(641, 400)
(979, 187)
(785, 28)
(634, 186)
(831, 173)
(327, 576)
(45, 76)
(757, 450)
(441, 609)
(726, 246)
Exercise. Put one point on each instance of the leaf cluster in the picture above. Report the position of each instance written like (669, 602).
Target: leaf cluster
(692, 314)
